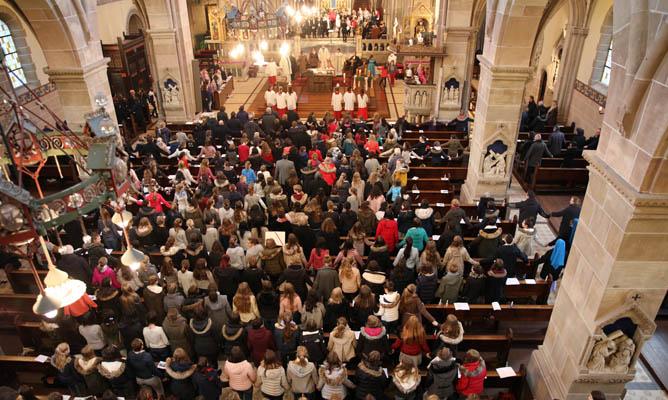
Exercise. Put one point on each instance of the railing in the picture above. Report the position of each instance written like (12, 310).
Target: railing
(378, 48)
(419, 99)
(28, 97)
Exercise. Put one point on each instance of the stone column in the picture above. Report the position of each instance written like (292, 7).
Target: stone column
(504, 70)
(456, 64)
(617, 268)
(171, 54)
(568, 68)
(500, 93)
(77, 88)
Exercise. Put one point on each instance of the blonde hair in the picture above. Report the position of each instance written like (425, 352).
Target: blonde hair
(336, 297)
(341, 326)
(61, 357)
(301, 356)
(413, 331)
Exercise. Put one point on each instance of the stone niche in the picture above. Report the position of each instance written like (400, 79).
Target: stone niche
(612, 351)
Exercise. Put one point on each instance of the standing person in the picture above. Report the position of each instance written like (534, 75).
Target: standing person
(281, 102)
(342, 341)
(291, 99)
(270, 97)
(406, 378)
(180, 369)
(337, 103)
(568, 214)
(473, 373)
(206, 380)
(272, 71)
(271, 378)
(67, 374)
(442, 373)
(362, 105)
(413, 341)
(143, 368)
(349, 102)
(556, 141)
(302, 375)
(371, 379)
(334, 378)
(534, 156)
(529, 208)
(239, 373)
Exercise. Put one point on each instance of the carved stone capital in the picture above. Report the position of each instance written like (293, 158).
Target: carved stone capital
(505, 72)
(76, 74)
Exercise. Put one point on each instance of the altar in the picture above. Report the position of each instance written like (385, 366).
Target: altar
(320, 79)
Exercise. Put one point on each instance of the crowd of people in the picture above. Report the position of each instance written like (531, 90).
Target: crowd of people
(289, 256)
(136, 110)
(345, 24)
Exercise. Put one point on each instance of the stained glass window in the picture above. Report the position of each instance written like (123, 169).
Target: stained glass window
(16, 74)
(605, 77)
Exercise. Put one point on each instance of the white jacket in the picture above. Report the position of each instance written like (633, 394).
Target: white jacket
(291, 99)
(270, 97)
(337, 99)
(388, 311)
(349, 101)
(281, 100)
(362, 100)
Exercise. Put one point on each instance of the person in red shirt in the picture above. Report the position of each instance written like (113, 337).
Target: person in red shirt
(388, 229)
(155, 200)
(243, 150)
(315, 152)
(473, 373)
(328, 171)
(413, 341)
(372, 146)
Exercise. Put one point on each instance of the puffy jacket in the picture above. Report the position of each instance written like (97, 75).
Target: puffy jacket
(369, 381)
(426, 216)
(181, 385)
(472, 380)
(448, 289)
(487, 242)
(426, 287)
(371, 339)
(205, 339)
(259, 340)
(388, 229)
(302, 379)
(442, 374)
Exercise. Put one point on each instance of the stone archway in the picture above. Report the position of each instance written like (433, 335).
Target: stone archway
(10, 17)
(73, 53)
(135, 25)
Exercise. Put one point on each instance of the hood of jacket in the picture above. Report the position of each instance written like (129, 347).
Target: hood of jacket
(499, 274)
(200, 327)
(441, 366)
(389, 300)
(373, 333)
(473, 369)
(180, 371)
(86, 367)
(378, 249)
(376, 277)
(527, 231)
(144, 231)
(301, 371)
(424, 213)
(490, 233)
(450, 340)
(111, 369)
(269, 253)
(334, 377)
(376, 373)
(232, 333)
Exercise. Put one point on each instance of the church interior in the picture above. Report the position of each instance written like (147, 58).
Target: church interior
(334, 199)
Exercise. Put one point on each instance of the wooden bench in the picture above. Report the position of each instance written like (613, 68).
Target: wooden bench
(455, 174)
(560, 179)
(481, 312)
(433, 135)
(433, 184)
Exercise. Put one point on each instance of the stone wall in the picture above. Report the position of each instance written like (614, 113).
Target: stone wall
(584, 112)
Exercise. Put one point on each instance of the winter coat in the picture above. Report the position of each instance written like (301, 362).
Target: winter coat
(314, 341)
(388, 307)
(426, 216)
(207, 383)
(450, 342)
(325, 281)
(120, 380)
(219, 311)
(286, 347)
(153, 300)
(205, 339)
(449, 287)
(333, 382)
(369, 381)
(426, 287)
(388, 229)
(419, 236)
(178, 334)
(88, 370)
(406, 382)
(524, 240)
(240, 375)
(233, 335)
(442, 375)
(181, 374)
(141, 364)
(344, 346)
(371, 339)
(509, 253)
(496, 282)
(381, 256)
(302, 379)
(474, 288)
(273, 261)
(487, 241)
(298, 277)
(227, 280)
(316, 315)
(272, 382)
(258, 341)
(472, 380)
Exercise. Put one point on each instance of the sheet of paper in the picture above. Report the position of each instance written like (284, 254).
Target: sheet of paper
(415, 191)
(496, 306)
(512, 281)
(41, 358)
(506, 372)
(108, 250)
(444, 191)
(92, 297)
(385, 371)
(462, 306)
(461, 221)
(357, 335)
(530, 281)
(278, 236)
(415, 178)
(440, 204)
(445, 178)
(162, 365)
(436, 237)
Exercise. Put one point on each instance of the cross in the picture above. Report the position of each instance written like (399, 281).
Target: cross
(636, 297)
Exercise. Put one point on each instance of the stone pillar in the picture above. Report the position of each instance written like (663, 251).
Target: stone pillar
(77, 88)
(568, 68)
(457, 64)
(500, 93)
(617, 268)
(504, 70)
(171, 54)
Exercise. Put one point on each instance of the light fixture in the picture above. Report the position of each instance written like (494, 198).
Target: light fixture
(258, 57)
(45, 305)
(122, 218)
(58, 283)
(284, 49)
(290, 11)
(264, 46)
(299, 18)
(132, 258)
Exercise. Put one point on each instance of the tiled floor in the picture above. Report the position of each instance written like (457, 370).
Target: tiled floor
(643, 387)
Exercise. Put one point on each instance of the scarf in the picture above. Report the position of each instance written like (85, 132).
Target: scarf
(558, 254)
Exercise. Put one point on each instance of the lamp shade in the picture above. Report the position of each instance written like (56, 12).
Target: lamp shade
(67, 292)
(132, 258)
(46, 305)
(122, 219)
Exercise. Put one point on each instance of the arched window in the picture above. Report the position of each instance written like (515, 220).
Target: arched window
(607, 67)
(16, 73)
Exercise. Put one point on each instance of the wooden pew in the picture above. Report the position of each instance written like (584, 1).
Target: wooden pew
(434, 135)
(483, 312)
(23, 281)
(455, 174)
(430, 140)
(560, 179)
(19, 304)
(433, 184)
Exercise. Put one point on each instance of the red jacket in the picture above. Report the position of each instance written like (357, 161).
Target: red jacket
(389, 231)
(259, 341)
(243, 151)
(410, 349)
(472, 381)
